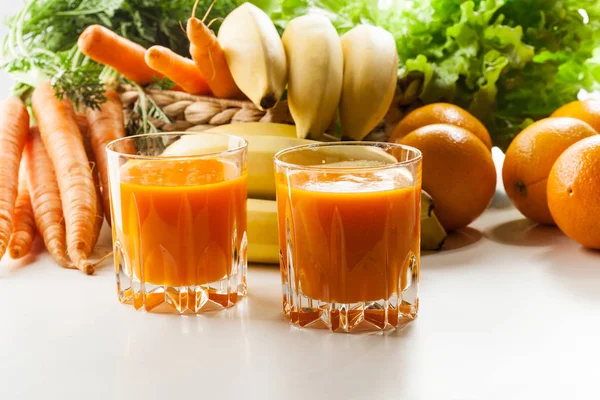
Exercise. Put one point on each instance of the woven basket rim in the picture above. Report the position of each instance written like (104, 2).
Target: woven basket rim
(181, 96)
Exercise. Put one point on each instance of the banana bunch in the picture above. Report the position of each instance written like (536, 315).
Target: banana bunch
(354, 76)
(263, 243)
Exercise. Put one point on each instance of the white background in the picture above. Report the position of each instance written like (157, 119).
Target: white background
(7, 8)
(509, 311)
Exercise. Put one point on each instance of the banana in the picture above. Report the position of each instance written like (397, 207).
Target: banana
(370, 76)
(254, 54)
(256, 129)
(261, 170)
(263, 242)
(316, 67)
(433, 234)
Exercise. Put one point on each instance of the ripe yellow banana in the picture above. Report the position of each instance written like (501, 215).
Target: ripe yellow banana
(254, 54)
(261, 170)
(370, 77)
(316, 67)
(263, 244)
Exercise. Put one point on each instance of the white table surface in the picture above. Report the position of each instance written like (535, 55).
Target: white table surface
(508, 311)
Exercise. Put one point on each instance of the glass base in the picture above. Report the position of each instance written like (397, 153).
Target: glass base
(183, 299)
(370, 316)
(367, 316)
(213, 296)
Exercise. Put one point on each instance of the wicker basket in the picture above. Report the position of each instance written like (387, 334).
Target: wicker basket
(187, 112)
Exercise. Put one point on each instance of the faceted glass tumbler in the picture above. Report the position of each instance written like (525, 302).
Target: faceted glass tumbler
(349, 234)
(178, 205)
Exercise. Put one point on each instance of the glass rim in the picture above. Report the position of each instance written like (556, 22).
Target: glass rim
(231, 151)
(418, 156)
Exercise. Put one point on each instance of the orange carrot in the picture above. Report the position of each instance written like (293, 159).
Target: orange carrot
(63, 141)
(180, 70)
(14, 128)
(106, 47)
(83, 126)
(84, 129)
(23, 234)
(45, 198)
(210, 59)
(87, 144)
(99, 221)
(105, 125)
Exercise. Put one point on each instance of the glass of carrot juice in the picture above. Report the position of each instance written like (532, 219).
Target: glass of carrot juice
(349, 234)
(178, 204)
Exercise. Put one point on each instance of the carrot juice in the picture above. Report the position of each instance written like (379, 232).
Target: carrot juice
(350, 240)
(179, 230)
(180, 218)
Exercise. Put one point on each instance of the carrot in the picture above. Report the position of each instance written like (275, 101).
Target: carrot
(87, 144)
(106, 47)
(83, 126)
(84, 129)
(45, 198)
(105, 125)
(180, 70)
(63, 141)
(210, 59)
(14, 128)
(23, 234)
(99, 221)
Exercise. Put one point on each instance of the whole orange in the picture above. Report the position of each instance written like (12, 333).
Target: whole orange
(458, 172)
(574, 192)
(529, 159)
(587, 111)
(441, 113)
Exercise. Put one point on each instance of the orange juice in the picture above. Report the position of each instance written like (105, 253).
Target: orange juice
(181, 220)
(352, 238)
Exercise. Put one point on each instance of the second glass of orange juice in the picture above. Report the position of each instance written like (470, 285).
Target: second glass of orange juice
(349, 233)
(178, 204)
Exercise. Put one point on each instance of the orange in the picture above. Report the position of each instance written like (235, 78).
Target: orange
(441, 113)
(574, 192)
(587, 111)
(458, 172)
(529, 159)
